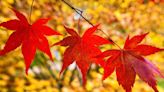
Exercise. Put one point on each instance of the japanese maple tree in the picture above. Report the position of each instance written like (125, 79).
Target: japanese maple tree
(82, 49)
(129, 61)
(31, 37)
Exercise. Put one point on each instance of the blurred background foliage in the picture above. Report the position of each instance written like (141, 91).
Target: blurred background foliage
(118, 18)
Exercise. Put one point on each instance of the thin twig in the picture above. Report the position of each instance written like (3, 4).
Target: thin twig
(77, 11)
(32, 4)
(80, 13)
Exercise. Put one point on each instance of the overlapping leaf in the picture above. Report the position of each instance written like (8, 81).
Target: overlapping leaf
(129, 61)
(82, 50)
(31, 37)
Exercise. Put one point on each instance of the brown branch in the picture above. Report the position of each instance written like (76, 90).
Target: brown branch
(80, 13)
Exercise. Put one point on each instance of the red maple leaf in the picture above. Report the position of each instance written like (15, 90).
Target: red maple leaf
(30, 36)
(82, 49)
(129, 61)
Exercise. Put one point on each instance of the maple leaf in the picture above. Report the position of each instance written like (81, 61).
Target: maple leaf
(30, 36)
(129, 61)
(82, 49)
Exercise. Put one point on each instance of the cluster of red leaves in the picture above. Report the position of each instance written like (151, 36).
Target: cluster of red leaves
(128, 61)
